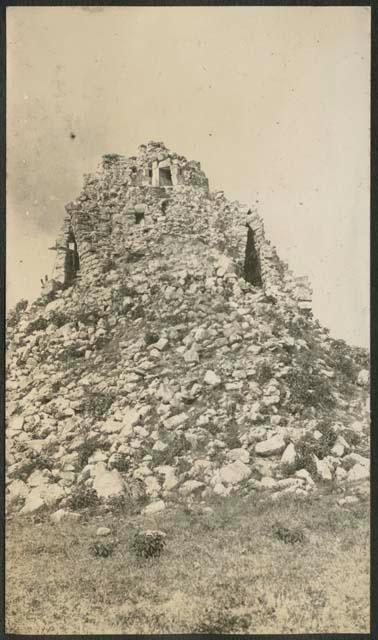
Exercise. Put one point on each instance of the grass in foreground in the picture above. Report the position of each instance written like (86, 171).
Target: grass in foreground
(229, 571)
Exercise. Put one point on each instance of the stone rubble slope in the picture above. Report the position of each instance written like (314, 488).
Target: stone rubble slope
(160, 373)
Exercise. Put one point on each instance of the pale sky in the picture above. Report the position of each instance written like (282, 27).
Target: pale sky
(273, 101)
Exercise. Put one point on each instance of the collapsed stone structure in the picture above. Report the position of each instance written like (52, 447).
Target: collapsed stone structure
(134, 203)
(172, 353)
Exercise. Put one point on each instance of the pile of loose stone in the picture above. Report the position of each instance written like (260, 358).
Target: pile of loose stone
(171, 377)
(169, 403)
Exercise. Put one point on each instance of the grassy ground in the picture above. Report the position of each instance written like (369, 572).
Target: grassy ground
(224, 571)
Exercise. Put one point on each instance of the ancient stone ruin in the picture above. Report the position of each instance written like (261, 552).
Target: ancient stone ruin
(173, 355)
(133, 203)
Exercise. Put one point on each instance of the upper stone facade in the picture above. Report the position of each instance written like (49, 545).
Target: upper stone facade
(157, 206)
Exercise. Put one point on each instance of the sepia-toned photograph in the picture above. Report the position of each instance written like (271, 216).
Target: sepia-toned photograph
(187, 320)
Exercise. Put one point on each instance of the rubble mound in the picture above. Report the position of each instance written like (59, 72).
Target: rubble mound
(173, 355)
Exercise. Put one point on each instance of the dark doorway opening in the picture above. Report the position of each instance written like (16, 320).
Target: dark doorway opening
(165, 177)
(252, 267)
(71, 262)
(139, 216)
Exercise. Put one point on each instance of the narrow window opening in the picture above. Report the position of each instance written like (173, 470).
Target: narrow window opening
(164, 205)
(139, 215)
(165, 177)
(71, 262)
(252, 267)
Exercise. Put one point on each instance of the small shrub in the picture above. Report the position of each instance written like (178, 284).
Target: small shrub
(344, 360)
(121, 462)
(107, 265)
(148, 544)
(308, 447)
(87, 449)
(222, 621)
(352, 438)
(101, 549)
(138, 312)
(83, 497)
(15, 314)
(119, 504)
(288, 535)
(178, 446)
(55, 387)
(231, 436)
(150, 338)
(58, 318)
(68, 354)
(97, 404)
(183, 465)
(287, 469)
(308, 387)
(329, 437)
(304, 458)
(37, 461)
(39, 324)
(264, 372)
(14, 504)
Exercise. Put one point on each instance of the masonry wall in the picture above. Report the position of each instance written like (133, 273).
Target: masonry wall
(120, 214)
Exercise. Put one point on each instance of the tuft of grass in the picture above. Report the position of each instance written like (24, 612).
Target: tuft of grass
(101, 549)
(289, 535)
(15, 315)
(97, 403)
(83, 497)
(148, 544)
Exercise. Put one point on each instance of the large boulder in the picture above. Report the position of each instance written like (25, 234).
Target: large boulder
(363, 378)
(154, 507)
(234, 472)
(107, 484)
(358, 473)
(272, 446)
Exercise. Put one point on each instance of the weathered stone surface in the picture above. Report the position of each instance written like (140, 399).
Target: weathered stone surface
(169, 349)
(239, 454)
(212, 379)
(169, 474)
(234, 473)
(363, 377)
(270, 447)
(323, 469)
(305, 475)
(175, 421)
(17, 489)
(62, 515)
(348, 500)
(107, 483)
(154, 507)
(152, 486)
(191, 355)
(191, 487)
(103, 531)
(112, 426)
(355, 458)
(358, 472)
(267, 483)
(220, 490)
(33, 502)
(289, 455)
(161, 344)
(52, 494)
(16, 423)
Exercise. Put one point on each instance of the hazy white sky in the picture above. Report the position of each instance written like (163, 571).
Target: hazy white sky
(273, 101)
